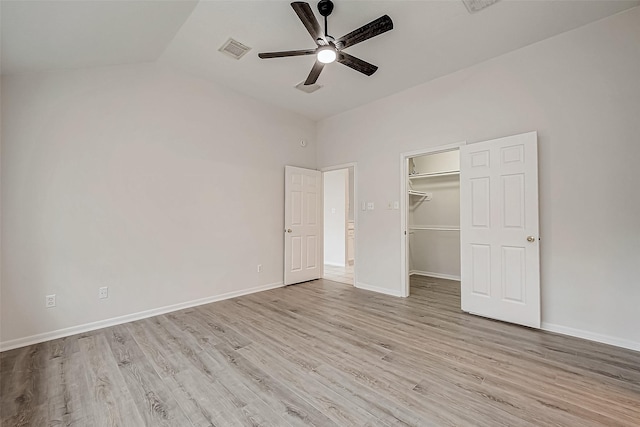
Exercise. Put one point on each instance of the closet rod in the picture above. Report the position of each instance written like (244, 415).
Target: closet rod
(428, 175)
(435, 228)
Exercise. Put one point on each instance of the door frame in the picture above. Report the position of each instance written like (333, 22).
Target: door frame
(404, 206)
(355, 212)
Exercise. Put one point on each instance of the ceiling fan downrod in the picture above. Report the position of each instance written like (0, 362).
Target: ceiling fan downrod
(325, 7)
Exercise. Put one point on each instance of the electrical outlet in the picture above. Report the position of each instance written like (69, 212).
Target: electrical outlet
(259, 268)
(369, 206)
(103, 292)
(50, 301)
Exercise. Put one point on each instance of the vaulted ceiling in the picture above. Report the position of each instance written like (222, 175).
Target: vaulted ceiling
(430, 39)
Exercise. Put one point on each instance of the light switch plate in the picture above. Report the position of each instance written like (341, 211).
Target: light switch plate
(369, 206)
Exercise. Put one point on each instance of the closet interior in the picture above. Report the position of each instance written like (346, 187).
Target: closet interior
(434, 215)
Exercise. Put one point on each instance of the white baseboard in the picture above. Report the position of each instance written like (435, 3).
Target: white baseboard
(60, 333)
(392, 292)
(436, 275)
(591, 336)
(73, 330)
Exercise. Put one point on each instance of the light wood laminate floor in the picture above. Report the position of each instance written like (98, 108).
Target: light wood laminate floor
(325, 354)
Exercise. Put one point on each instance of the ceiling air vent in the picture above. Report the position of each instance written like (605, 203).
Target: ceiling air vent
(477, 5)
(308, 88)
(234, 49)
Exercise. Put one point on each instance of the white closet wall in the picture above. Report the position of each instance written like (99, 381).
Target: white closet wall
(439, 162)
(431, 252)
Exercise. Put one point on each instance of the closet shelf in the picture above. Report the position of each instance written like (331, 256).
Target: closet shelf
(423, 194)
(431, 175)
(435, 228)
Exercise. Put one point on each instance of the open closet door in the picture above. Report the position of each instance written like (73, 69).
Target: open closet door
(303, 225)
(499, 229)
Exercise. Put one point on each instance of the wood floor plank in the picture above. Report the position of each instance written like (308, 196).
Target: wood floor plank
(67, 387)
(288, 405)
(216, 331)
(375, 402)
(161, 357)
(24, 398)
(282, 345)
(193, 381)
(303, 384)
(258, 413)
(205, 401)
(321, 353)
(181, 349)
(110, 398)
(154, 401)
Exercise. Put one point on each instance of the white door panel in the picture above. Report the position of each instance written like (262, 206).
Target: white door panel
(303, 225)
(499, 229)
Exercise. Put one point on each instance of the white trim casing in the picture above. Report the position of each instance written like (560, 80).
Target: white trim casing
(60, 333)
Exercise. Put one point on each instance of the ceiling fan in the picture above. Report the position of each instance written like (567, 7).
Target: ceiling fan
(330, 49)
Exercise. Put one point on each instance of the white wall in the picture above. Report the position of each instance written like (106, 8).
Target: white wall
(163, 187)
(581, 92)
(335, 209)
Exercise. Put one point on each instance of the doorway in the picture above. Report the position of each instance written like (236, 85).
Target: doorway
(430, 203)
(433, 220)
(339, 223)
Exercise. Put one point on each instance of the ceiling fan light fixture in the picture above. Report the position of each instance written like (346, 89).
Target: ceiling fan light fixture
(326, 54)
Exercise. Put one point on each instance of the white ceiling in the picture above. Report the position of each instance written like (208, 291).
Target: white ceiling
(430, 39)
(52, 35)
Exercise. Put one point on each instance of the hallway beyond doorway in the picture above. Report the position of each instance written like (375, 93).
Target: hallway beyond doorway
(339, 274)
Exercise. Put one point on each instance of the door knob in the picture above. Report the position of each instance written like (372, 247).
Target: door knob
(531, 239)
(288, 230)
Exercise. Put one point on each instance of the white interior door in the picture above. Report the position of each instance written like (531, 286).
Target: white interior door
(499, 229)
(303, 225)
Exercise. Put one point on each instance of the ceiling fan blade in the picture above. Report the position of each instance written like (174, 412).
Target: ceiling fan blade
(372, 29)
(356, 63)
(304, 12)
(315, 73)
(267, 55)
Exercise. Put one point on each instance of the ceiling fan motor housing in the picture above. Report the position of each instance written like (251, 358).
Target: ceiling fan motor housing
(325, 7)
